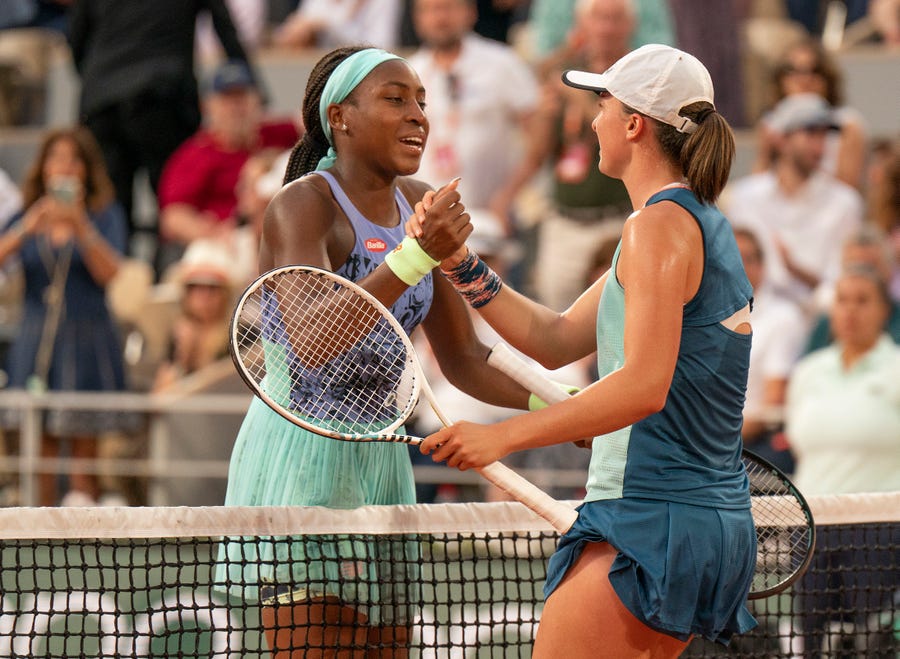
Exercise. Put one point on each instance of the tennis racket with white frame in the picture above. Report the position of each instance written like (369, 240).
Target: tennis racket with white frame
(785, 530)
(326, 355)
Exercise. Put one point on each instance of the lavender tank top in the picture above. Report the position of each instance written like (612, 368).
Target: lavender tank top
(371, 245)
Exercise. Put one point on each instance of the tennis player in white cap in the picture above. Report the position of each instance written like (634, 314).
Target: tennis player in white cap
(664, 546)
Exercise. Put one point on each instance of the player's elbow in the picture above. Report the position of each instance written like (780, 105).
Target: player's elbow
(650, 394)
(554, 354)
(651, 403)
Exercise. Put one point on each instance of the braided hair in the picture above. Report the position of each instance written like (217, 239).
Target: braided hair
(314, 145)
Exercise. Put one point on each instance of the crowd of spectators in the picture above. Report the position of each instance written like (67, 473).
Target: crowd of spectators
(173, 89)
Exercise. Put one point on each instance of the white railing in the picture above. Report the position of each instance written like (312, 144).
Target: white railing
(159, 466)
(162, 411)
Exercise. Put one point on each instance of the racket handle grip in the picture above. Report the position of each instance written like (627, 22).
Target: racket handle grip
(560, 515)
(506, 361)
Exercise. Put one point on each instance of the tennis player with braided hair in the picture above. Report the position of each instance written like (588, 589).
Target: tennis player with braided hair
(664, 545)
(346, 197)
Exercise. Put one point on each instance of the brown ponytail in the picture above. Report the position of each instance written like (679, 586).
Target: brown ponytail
(705, 156)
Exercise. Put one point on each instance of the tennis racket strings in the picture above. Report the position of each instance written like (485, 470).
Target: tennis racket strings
(325, 353)
(329, 357)
(785, 532)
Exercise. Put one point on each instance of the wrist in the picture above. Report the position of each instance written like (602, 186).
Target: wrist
(455, 259)
(409, 262)
(474, 280)
(87, 237)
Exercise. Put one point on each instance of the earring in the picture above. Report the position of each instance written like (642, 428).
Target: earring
(344, 127)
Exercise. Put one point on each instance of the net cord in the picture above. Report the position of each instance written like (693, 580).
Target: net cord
(475, 517)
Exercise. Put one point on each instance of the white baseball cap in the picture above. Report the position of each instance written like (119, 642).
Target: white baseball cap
(800, 111)
(655, 80)
(206, 261)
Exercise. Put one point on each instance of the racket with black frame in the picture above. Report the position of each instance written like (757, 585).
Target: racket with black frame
(785, 530)
(326, 355)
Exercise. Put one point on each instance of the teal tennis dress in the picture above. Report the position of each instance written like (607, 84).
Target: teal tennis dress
(670, 492)
(275, 463)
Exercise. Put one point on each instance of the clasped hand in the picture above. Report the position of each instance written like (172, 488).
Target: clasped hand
(465, 445)
(441, 224)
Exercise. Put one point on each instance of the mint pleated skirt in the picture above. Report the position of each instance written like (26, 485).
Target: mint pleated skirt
(275, 463)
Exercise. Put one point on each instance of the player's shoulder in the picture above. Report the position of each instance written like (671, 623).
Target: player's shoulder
(306, 198)
(660, 230)
(665, 215)
(309, 185)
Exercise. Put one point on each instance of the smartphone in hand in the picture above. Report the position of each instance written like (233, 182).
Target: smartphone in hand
(65, 189)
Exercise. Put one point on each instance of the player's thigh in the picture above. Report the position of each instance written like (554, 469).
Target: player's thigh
(315, 628)
(388, 642)
(585, 616)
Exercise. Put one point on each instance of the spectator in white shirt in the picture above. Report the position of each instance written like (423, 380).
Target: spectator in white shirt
(843, 403)
(480, 94)
(329, 24)
(801, 214)
(843, 424)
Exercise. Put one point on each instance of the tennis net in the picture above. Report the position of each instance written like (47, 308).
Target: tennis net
(463, 580)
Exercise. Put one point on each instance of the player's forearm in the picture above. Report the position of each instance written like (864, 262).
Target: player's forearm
(524, 324)
(619, 400)
(472, 375)
(553, 339)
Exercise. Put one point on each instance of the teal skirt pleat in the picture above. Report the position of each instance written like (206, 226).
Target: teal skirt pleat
(276, 463)
(683, 570)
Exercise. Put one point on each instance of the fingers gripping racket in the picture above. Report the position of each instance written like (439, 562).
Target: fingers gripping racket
(329, 357)
(785, 531)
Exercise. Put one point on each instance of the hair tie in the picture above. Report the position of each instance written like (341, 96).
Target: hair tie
(703, 114)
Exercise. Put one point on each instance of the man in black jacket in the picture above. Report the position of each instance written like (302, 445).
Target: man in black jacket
(138, 87)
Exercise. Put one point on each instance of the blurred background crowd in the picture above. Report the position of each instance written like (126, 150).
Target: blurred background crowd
(140, 143)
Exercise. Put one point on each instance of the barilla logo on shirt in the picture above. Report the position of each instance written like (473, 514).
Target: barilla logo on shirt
(375, 245)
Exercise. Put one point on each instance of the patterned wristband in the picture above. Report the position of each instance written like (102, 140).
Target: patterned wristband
(474, 280)
(409, 261)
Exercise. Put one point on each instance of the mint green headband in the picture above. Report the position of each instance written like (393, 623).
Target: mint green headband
(343, 80)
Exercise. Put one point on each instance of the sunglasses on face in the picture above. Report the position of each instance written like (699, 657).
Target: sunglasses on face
(803, 70)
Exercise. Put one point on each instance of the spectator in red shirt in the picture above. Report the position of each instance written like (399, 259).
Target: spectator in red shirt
(197, 188)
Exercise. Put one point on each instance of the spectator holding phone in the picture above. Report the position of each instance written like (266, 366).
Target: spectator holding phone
(69, 238)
